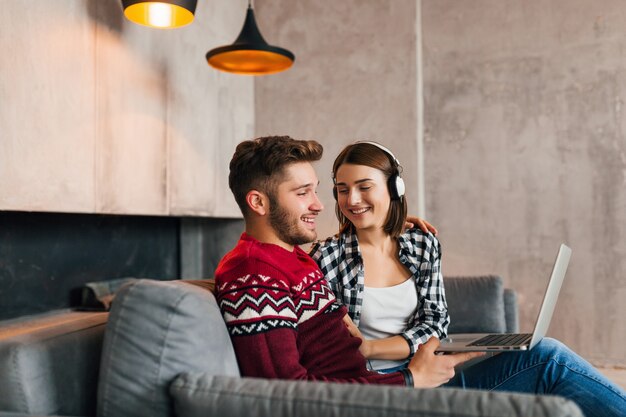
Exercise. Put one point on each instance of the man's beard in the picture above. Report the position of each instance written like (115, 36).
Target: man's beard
(286, 226)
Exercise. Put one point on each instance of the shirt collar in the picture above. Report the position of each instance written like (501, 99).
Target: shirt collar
(352, 249)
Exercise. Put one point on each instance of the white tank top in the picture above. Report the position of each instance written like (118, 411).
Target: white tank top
(386, 312)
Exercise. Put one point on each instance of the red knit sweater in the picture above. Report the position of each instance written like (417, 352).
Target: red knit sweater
(283, 319)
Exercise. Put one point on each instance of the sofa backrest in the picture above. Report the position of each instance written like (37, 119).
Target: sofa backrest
(156, 331)
(49, 363)
(480, 304)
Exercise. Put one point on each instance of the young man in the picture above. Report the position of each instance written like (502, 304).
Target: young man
(281, 314)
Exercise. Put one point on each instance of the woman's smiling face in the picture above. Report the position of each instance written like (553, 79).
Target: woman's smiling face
(362, 195)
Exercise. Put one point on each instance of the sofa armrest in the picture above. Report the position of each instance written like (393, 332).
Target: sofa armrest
(49, 363)
(200, 395)
(12, 414)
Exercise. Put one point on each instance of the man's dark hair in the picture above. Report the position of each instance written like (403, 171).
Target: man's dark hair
(259, 164)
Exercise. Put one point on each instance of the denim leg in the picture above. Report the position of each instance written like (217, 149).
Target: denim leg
(549, 368)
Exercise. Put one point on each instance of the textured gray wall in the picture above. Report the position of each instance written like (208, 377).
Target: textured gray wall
(523, 125)
(526, 148)
(354, 79)
(203, 243)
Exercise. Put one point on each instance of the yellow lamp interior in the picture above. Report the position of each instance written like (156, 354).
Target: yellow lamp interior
(158, 15)
(250, 62)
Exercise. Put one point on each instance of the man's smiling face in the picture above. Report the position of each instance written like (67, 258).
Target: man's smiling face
(295, 205)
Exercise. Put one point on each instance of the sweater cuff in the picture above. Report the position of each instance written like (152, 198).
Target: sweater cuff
(408, 377)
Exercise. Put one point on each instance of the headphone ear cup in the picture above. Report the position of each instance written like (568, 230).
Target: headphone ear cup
(396, 187)
(391, 184)
(400, 187)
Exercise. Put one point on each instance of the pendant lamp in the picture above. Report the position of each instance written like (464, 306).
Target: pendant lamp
(160, 14)
(250, 54)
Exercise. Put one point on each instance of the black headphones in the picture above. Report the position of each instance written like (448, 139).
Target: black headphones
(395, 183)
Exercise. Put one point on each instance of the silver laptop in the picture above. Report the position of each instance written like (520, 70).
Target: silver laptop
(482, 342)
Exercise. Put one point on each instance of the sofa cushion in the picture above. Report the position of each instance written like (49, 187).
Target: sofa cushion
(157, 330)
(201, 395)
(475, 304)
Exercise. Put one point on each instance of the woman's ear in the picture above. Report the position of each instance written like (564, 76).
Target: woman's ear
(258, 202)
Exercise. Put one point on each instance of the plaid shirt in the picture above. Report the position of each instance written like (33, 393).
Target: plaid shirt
(339, 258)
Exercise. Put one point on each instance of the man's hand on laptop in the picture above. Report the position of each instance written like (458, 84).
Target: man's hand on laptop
(430, 370)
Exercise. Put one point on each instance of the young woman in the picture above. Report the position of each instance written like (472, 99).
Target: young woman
(390, 280)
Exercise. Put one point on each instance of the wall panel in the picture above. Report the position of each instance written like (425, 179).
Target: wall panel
(47, 114)
(131, 104)
(525, 149)
(209, 113)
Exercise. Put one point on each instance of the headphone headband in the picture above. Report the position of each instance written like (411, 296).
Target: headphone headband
(382, 148)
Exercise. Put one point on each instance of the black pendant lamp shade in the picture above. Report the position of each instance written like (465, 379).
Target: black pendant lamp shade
(160, 14)
(250, 54)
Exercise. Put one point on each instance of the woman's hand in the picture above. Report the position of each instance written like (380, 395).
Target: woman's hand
(355, 332)
(423, 225)
(430, 370)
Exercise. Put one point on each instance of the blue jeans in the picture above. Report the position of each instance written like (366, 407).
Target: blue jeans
(549, 368)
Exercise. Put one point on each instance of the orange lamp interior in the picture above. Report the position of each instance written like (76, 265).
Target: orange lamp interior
(158, 15)
(250, 62)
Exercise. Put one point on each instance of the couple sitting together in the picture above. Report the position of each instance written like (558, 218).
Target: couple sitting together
(367, 305)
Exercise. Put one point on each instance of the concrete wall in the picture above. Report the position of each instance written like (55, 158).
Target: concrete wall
(100, 115)
(354, 79)
(523, 127)
(525, 149)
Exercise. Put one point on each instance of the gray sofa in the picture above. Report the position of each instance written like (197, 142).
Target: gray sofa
(163, 350)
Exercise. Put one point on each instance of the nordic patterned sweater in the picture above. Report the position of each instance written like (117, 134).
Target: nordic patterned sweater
(283, 319)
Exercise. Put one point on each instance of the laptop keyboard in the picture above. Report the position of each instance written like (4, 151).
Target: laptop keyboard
(506, 339)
